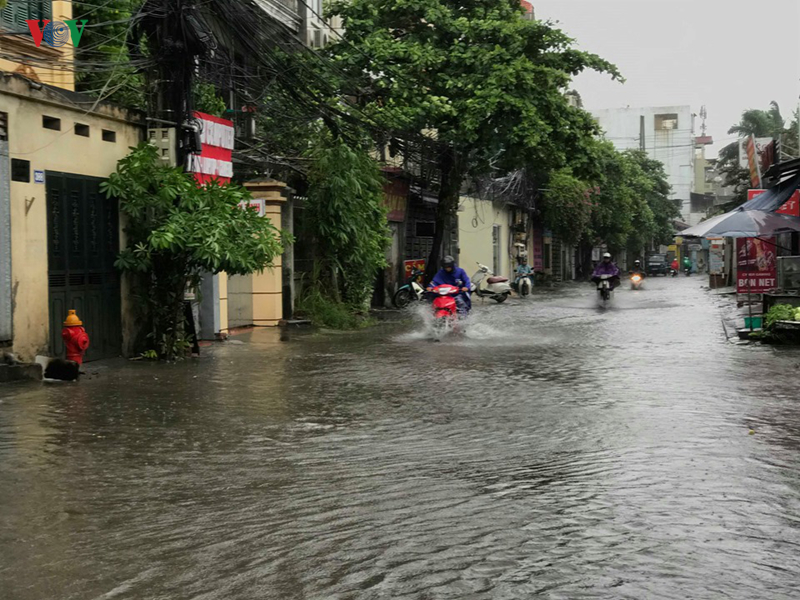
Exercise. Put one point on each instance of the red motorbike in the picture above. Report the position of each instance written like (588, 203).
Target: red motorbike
(445, 310)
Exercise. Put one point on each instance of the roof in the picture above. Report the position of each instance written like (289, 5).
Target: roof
(774, 197)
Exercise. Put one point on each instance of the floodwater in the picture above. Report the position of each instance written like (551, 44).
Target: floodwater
(556, 451)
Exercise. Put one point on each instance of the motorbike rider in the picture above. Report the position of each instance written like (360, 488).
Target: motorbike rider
(523, 269)
(637, 269)
(687, 264)
(451, 274)
(606, 267)
(674, 265)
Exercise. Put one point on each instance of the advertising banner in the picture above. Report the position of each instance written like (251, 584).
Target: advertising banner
(756, 265)
(409, 265)
(215, 160)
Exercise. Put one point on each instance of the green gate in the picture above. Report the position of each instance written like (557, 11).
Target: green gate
(82, 244)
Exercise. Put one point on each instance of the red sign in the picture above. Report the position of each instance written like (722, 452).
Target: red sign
(753, 163)
(411, 264)
(791, 206)
(756, 265)
(215, 159)
(395, 195)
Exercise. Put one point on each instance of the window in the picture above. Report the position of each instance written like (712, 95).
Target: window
(667, 121)
(16, 12)
(3, 127)
(81, 129)
(109, 136)
(425, 228)
(20, 170)
(51, 123)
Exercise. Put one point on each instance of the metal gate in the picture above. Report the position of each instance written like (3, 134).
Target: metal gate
(5, 237)
(82, 244)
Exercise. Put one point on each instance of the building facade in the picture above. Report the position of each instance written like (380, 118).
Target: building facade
(63, 234)
(666, 133)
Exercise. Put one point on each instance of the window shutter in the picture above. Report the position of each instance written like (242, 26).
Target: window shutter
(16, 12)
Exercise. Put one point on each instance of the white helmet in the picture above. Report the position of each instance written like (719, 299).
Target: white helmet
(607, 255)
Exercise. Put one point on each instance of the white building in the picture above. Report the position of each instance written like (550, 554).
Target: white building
(667, 134)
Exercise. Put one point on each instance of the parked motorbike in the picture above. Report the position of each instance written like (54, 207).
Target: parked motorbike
(604, 290)
(636, 281)
(496, 288)
(445, 310)
(523, 285)
(410, 292)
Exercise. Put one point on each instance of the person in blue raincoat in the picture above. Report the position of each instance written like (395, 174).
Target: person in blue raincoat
(452, 274)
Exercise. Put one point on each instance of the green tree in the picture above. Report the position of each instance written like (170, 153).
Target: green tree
(758, 123)
(347, 218)
(567, 206)
(103, 65)
(177, 230)
(487, 82)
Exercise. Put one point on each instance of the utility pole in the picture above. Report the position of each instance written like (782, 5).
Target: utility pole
(641, 133)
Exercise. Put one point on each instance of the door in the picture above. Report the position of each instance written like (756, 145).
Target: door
(5, 235)
(82, 244)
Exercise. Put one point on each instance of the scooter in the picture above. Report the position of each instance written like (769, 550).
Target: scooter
(497, 288)
(673, 272)
(687, 271)
(411, 291)
(604, 290)
(445, 310)
(636, 281)
(523, 285)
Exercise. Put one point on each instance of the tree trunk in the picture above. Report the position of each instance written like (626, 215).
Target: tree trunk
(450, 176)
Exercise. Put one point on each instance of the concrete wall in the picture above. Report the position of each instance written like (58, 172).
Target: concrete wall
(674, 148)
(51, 66)
(476, 219)
(54, 151)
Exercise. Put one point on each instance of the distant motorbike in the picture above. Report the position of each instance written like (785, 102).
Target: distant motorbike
(604, 290)
(523, 285)
(445, 310)
(673, 272)
(410, 291)
(496, 288)
(687, 271)
(636, 281)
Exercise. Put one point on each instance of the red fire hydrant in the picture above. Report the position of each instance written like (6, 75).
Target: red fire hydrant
(75, 337)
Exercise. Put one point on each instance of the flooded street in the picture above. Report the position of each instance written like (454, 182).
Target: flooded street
(557, 451)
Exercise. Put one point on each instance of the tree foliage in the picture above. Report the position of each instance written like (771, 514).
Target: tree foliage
(758, 123)
(103, 65)
(347, 218)
(488, 82)
(176, 230)
(568, 206)
(625, 208)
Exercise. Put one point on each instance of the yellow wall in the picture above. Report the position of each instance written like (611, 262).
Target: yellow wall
(49, 151)
(53, 66)
(475, 221)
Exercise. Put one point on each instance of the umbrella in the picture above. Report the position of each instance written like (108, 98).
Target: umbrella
(744, 223)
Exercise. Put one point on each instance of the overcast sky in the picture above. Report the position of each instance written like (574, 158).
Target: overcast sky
(729, 55)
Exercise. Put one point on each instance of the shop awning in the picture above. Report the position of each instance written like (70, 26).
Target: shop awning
(774, 197)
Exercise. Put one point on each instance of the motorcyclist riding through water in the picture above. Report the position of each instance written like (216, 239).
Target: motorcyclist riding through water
(451, 274)
(637, 269)
(606, 267)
